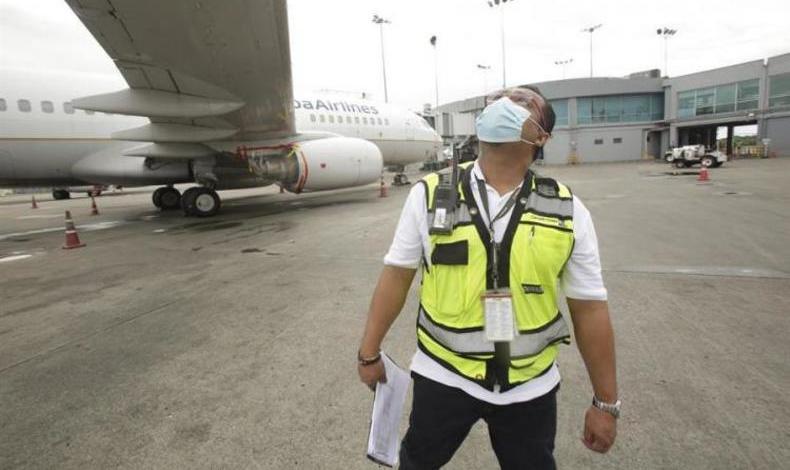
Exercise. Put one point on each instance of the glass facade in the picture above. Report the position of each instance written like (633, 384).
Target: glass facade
(561, 112)
(620, 108)
(779, 85)
(741, 96)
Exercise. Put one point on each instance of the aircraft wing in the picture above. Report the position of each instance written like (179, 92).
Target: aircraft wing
(200, 70)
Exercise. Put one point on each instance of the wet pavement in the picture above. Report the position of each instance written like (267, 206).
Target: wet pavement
(172, 342)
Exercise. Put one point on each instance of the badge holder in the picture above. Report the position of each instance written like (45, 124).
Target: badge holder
(500, 323)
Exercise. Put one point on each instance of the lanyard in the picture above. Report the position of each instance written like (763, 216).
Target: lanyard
(483, 191)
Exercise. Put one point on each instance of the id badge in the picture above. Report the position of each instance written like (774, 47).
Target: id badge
(499, 322)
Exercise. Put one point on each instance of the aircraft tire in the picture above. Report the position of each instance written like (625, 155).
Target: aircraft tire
(156, 197)
(59, 194)
(200, 202)
(169, 199)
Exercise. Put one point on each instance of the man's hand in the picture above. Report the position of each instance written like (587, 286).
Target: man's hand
(371, 374)
(600, 430)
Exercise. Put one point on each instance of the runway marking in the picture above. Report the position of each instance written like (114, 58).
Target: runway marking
(86, 228)
(42, 216)
(715, 271)
(7, 259)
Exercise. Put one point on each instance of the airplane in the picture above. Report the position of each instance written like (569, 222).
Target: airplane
(209, 101)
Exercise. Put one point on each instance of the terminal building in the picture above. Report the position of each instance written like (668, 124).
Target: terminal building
(643, 115)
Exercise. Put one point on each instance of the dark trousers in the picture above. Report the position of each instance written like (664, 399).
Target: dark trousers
(522, 434)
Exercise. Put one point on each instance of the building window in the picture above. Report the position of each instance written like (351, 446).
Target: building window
(741, 96)
(68, 108)
(780, 91)
(725, 98)
(748, 95)
(312, 118)
(617, 140)
(47, 107)
(686, 106)
(705, 99)
(321, 118)
(3, 106)
(598, 141)
(619, 108)
(23, 105)
(560, 108)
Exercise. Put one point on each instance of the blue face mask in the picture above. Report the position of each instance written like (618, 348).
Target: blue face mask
(502, 121)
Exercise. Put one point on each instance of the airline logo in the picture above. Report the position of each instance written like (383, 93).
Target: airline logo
(335, 106)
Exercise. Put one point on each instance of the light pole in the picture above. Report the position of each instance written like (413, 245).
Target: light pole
(563, 63)
(484, 69)
(666, 33)
(500, 4)
(381, 22)
(435, 70)
(591, 30)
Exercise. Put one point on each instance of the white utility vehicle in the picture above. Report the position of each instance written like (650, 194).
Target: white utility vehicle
(689, 155)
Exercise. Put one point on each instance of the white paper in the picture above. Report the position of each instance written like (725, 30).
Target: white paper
(384, 440)
(499, 319)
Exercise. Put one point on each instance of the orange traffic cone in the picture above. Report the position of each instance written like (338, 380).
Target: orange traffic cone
(34, 205)
(382, 189)
(94, 209)
(703, 174)
(72, 239)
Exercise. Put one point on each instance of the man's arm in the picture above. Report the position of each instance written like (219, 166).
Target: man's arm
(595, 338)
(386, 304)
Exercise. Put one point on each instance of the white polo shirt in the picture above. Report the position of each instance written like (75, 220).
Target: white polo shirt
(581, 279)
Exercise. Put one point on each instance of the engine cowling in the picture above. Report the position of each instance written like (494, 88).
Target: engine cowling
(323, 164)
(336, 162)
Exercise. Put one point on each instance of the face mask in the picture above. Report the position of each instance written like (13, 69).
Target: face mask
(502, 121)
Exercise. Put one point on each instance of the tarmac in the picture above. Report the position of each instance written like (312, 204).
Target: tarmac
(230, 342)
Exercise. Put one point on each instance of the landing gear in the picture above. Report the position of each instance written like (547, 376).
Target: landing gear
(59, 194)
(200, 202)
(166, 198)
(400, 179)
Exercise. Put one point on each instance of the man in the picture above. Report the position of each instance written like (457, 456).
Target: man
(488, 327)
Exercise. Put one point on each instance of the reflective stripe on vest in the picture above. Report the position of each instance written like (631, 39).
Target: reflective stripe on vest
(473, 341)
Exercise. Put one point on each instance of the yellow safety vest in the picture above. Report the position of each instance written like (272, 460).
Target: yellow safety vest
(535, 248)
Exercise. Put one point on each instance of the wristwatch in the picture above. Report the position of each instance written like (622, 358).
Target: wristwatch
(611, 408)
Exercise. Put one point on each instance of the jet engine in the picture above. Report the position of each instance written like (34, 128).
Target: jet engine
(321, 164)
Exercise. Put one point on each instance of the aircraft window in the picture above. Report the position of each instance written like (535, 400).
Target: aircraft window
(356, 119)
(331, 118)
(365, 121)
(312, 118)
(386, 122)
(89, 112)
(348, 119)
(68, 108)
(321, 118)
(23, 105)
(378, 120)
(2, 104)
(47, 106)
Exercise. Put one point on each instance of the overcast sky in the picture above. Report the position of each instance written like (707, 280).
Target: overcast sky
(334, 44)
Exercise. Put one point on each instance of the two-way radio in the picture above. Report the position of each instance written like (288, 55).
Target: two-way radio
(445, 201)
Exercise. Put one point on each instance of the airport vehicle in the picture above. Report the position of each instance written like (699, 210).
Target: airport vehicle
(689, 155)
(208, 100)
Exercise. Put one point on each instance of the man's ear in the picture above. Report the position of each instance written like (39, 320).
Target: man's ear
(541, 140)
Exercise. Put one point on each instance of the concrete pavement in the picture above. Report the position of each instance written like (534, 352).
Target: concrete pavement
(229, 342)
